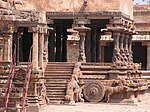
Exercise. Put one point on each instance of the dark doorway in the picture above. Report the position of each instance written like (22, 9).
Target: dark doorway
(57, 47)
(92, 40)
(140, 54)
(23, 41)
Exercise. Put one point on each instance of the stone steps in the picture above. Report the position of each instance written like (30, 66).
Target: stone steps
(56, 76)
(18, 85)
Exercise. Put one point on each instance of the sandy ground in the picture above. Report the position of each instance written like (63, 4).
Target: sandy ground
(143, 106)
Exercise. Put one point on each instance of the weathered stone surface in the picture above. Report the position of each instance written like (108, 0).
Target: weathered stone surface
(78, 5)
(142, 17)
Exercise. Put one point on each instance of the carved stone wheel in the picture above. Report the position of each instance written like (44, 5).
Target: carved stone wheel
(94, 91)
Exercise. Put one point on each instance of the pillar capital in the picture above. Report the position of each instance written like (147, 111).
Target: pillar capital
(148, 44)
(34, 29)
(116, 34)
(81, 20)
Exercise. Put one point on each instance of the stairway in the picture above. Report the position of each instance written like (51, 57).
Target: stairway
(16, 88)
(56, 75)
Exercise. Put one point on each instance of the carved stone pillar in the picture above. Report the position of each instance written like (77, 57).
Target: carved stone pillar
(35, 49)
(126, 49)
(148, 56)
(122, 43)
(130, 48)
(116, 53)
(93, 43)
(88, 46)
(82, 57)
(41, 49)
(7, 47)
(82, 32)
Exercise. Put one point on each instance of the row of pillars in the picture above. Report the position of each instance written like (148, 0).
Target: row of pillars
(122, 48)
(37, 50)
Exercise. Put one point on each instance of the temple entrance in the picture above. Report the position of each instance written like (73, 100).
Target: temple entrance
(57, 41)
(57, 49)
(92, 40)
(23, 41)
(140, 54)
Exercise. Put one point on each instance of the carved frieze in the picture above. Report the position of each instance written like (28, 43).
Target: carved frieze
(6, 27)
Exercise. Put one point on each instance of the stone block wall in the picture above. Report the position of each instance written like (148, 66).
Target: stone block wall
(125, 6)
(72, 50)
(142, 17)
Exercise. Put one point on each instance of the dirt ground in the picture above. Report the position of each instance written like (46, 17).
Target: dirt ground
(143, 106)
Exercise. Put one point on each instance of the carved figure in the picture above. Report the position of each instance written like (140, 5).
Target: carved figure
(43, 93)
(79, 92)
(74, 92)
(111, 90)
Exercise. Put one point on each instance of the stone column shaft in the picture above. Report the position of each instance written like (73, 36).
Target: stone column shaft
(116, 37)
(82, 32)
(82, 57)
(126, 42)
(121, 42)
(116, 50)
(41, 49)
(130, 48)
(35, 52)
(148, 56)
(88, 46)
(7, 48)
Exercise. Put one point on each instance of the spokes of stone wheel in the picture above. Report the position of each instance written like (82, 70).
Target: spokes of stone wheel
(94, 91)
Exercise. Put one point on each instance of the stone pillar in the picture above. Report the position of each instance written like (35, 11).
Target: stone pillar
(33, 104)
(51, 47)
(148, 56)
(102, 51)
(58, 56)
(97, 47)
(126, 48)
(88, 46)
(93, 44)
(35, 52)
(1, 54)
(116, 50)
(130, 49)
(82, 57)
(41, 49)
(121, 43)
(122, 47)
(82, 32)
(7, 47)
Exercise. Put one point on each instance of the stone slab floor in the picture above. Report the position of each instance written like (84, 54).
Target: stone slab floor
(143, 106)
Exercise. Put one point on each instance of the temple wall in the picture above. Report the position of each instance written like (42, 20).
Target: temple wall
(142, 17)
(124, 6)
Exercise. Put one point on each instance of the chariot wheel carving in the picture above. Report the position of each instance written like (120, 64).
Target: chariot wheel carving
(94, 91)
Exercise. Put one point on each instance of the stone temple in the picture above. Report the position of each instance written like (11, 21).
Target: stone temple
(65, 52)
